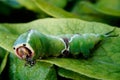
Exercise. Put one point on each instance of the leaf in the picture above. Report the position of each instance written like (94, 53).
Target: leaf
(40, 71)
(109, 7)
(91, 12)
(72, 75)
(53, 10)
(2, 54)
(105, 61)
(47, 7)
(4, 62)
(87, 12)
(30, 4)
(57, 3)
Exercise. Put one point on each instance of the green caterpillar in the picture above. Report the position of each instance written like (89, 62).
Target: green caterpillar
(32, 45)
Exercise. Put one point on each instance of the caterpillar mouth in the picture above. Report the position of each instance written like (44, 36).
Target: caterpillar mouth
(23, 52)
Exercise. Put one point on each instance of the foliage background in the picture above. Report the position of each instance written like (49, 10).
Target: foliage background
(60, 17)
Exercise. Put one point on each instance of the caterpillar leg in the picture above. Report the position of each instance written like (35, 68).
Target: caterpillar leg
(65, 53)
(29, 62)
(111, 35)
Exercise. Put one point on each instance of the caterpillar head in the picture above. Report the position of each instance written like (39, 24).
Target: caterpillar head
(24, 51)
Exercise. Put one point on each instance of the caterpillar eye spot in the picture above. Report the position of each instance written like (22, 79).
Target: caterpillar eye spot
(24, 44)
(14, 48)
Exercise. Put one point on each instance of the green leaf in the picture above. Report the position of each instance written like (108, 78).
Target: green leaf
(72, 75)
(53, 10)
(87, 12)
(105, 11)
(105, 61)
(4, 61)
(58, 3)
(110, 7)
(40, 71)
(30, 4)
(2, 54)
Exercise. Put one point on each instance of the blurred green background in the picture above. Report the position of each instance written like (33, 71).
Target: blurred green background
(20, 11)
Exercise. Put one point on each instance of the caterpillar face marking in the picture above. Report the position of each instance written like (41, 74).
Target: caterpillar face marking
(23, 51)
(32, 45)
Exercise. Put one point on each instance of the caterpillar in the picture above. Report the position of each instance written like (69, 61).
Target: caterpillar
(32, 45)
